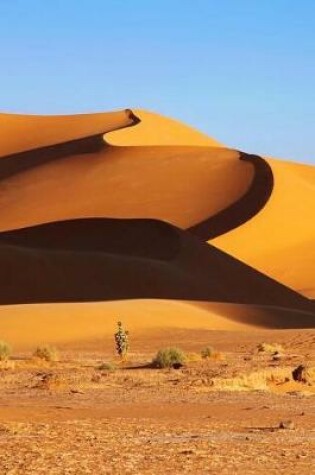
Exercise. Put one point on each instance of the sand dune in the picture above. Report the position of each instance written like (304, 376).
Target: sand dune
(171, 182)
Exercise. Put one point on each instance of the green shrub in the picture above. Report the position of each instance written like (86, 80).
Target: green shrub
(207, 352)
(169, 358)
(110, 367)
(5, 351)
(122, 341)
(46, 353)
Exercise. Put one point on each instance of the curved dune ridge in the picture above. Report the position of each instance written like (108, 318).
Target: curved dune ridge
(126, 219)
(282, 234)
(20, 133)
(155, 129)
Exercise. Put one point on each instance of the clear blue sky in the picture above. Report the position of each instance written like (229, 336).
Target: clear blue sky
(241, 70)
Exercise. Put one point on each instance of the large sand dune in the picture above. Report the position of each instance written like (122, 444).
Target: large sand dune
(160, 192)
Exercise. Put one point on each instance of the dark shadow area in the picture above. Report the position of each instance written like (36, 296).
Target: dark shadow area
(263, 315)
(99, 259)
(245, 208)
(142, 238)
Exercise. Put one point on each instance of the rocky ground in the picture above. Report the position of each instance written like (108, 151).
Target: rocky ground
(237, 412)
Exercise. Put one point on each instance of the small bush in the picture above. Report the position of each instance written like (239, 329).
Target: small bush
(122, 341)
(5, 351)
(169, 358)
(110, 367)
(46, 353)
(207, 352)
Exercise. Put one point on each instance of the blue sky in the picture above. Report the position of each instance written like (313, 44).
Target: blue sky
(242, 71)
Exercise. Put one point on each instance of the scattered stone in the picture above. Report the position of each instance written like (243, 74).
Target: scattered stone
(76, 391)
(96, 378)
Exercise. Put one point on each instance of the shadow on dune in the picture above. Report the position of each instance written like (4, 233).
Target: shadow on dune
(260, 315)
(245, 208)
(141, 238)
(107, 259)
(20, 162)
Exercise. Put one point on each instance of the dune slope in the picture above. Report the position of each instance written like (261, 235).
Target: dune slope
(26, 326)
(279, 239)
(180, 185)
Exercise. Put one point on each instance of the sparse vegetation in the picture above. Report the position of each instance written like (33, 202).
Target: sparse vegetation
(256, 380)
(192, 357)
(271, 348)
(169, 358)
(5, 351)
(110, 367)
(46, 353)
(207, 352)
(122, 341)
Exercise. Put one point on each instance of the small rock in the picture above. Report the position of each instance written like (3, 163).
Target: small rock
(299, 374)
(96, 378)
(76, 391)
(177, 365)
(289, 425)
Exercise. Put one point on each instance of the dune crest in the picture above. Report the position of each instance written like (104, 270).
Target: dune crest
(155, 129)
(20, 133)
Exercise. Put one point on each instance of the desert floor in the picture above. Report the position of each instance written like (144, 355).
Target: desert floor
(221, 415)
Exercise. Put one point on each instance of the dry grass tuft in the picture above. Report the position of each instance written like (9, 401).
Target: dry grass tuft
(193, 357)
(108, 367)
(5, 351)
(270, 348)
(46, 353)
(258, 380)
